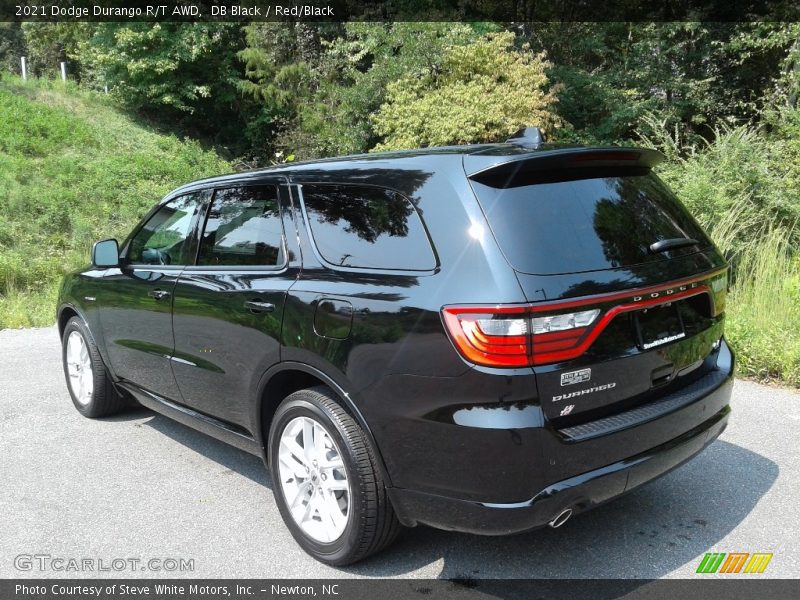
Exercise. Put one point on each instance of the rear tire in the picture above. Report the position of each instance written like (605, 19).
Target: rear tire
(330, 492)
(88, 382)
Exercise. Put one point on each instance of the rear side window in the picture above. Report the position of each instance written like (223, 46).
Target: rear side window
(243, 228)
(569, 223)
(366, 227)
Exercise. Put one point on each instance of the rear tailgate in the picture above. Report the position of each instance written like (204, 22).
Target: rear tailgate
(595, 236)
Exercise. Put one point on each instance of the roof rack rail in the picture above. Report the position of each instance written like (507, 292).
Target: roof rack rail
(527, 136)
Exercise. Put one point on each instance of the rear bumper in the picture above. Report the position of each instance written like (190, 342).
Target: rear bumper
(579, 493)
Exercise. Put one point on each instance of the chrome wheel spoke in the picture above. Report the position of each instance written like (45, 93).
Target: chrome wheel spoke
(296, 452)
(311, 507)
(330, 465)
(308, 439)
(334, 512)
(302, 493)
(291, 463)
(313, 479)
(319, 442)
(79, 368)
(336, 485)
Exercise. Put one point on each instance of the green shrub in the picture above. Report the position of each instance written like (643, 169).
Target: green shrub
(73, 170)
(744, 188)
(741, 171)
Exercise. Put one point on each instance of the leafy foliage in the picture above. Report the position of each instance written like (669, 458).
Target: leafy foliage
(355, 72)
(279, 60)
(12, 44)
(481, 92)
(165, 65)
(692, 76)
(48, 44)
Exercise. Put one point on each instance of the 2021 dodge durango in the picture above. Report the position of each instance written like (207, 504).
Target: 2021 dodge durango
(485, 338)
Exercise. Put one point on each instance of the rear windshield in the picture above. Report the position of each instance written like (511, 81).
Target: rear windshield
(571, 222)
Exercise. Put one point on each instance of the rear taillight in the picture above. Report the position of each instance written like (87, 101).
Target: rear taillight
(493, 336)
(513, 336)
(524, 335)
(555, 336)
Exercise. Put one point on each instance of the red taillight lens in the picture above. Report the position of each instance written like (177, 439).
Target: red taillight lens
(541, 333)
(556, 337)
(512, 336)
(490, 336)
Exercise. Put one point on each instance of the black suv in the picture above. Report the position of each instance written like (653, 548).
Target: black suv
(485, 338)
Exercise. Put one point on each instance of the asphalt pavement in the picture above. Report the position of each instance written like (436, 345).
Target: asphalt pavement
(138, 488)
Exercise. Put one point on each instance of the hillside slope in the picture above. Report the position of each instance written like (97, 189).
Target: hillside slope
(73, 170)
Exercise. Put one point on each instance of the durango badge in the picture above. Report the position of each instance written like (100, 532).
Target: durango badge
(591, 390)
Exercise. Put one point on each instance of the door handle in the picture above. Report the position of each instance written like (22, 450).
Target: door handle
(259, 306)
(158, 294)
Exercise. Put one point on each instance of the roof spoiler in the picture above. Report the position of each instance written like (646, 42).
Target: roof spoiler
(500, 170)
(527, 137)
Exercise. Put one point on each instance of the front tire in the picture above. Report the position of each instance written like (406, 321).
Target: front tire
(88, 382)
(326, 480)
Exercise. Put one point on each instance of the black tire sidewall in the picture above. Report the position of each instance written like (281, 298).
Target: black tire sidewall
(336, 551)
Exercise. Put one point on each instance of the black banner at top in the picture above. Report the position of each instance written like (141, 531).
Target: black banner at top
(400, 10)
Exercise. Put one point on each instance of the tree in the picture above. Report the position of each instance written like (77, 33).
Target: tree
(164, 65)
(481, 92)
(183, 76)
(48, 44)
(356, 70)
(280, 59)
(12, 46)
(689, 76)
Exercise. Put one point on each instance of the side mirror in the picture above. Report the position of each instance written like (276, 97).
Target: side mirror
(105, 254)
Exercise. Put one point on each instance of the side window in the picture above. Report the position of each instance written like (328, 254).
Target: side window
(165, 238)
(243, 228)
(366, 227)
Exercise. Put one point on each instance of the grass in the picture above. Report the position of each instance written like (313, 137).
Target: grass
(73, 169)
(764, 310)
(744, 188)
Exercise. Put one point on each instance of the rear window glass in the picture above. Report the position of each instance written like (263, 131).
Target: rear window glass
(605, 221)
(366, 227)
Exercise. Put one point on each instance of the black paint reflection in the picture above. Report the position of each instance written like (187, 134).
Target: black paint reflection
(632, 213)
(366, 227)
(164, 239)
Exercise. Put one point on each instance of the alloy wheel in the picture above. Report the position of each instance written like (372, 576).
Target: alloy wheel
(313, 479)
(79, 368)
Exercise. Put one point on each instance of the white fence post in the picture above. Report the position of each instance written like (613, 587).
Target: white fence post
(24, 68)
(64, 72)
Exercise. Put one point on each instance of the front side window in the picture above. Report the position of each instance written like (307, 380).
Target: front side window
(166, 237)
(366, 227)
(243, 228)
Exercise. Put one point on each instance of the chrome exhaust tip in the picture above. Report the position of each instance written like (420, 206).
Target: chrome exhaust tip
(561, 518)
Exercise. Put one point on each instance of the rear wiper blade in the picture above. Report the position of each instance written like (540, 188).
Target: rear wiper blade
(671, 244)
